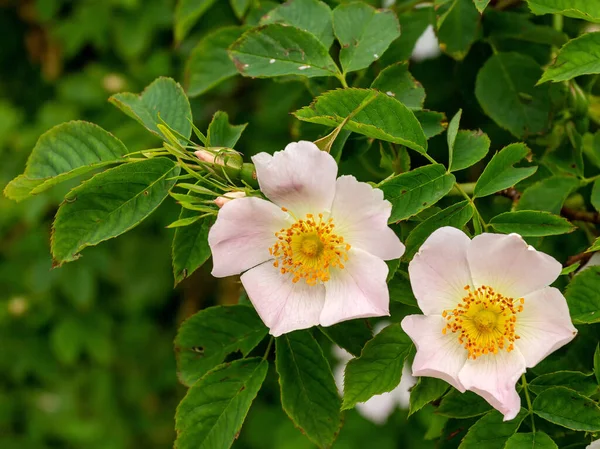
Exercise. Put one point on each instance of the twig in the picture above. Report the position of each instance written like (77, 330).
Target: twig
(580, 215)
(581, 257)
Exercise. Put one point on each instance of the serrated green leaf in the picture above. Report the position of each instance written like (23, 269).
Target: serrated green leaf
(578, 9)
(209, 63)
(583, 296)
(597, 364)
(364, 33)
(64, 152)
(457, 27)
(379, 367)
(278, 50)
(499, 174)
(350, 335)
(577, 57)
(491, 431)
(383, 118)
(221, 133)
(528, 223)
(396, 81)
(212, 412)
(162, 101)
(462, 405)
(426, 390)
(416, 190)
(401, 291)
(432, 122)
(567, 408)
(481, 4)
(312, 16)
(456, 216)
(451, 135)
(206, 338)
(574, 380)
(187, 13)
(469, 148)
(506, 90)
(537, 440)
(595, 198)
(308, 392)
(110, 204)
(548, 195)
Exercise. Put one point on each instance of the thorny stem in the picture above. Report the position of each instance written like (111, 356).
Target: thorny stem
(529, 406)
(268, 348)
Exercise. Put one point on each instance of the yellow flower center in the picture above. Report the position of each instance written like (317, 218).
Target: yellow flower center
(484, 321)
(309, 249)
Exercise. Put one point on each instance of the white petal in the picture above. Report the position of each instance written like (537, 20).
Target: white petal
(493, 377)
(300, 178)
(243, 233)
(283, 306)
(438, 355)
(379, 408)
(439, 272)
(594, 445)
(510, 266)
(360, 215)
(544, 325)
(402, 391)
(357, 291)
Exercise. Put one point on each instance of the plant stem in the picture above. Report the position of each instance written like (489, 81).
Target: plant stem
(529, 406)
(268, 348)
(342, 79)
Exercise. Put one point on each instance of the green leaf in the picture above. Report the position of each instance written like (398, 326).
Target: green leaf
(382, 117)
(110, 204)
(451, 135)
(462, 405)
(491, 432)
(548, 195)
(506, 90)
(597, 364)
(350, 335)
(516, 25)
(278, 50)
(537, 440)
(211, 414)
(190, 248)
(528, 223)
(416, 190)
(209, 63)
(240, 7)
(379, 367)
(481, 4)
(187, 13)
(595, 198)
(456, 216)
(578, 9)
(577, 57)
(574, 380)
(595, 246)
(469, 148)
(570, 268)
(312, 16)
(308, 392)
(457, 27)
(426, 390)
(221, 133)
(206, 338)
(396, 81)
(364, 33)
(583, 296)
(567, 408)
(432, 122)
(500, 173)
(65, 151)
(401, 291)
(162, 101)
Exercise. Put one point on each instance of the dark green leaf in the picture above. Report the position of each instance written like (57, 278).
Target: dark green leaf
(491, 432)
(529, 223)
(416, 190)
(190, 245)
(578, 57)
(211, 414)
(537, 440)
(308, 392)
(379, 116)
(426, 390)
(240, 7)
(469, 148)
(597, 364)
(350, 335)
(500, 173)
(574, 380)
(452, 133)
(583, 296)
(458, 27)
(400, 290)
(65, 151)
(221, 133)
(206, 338)
(432, 122)
(463, 405)
(569, 409)
(110, 204)
(187, 13)
(595, 198)
(578, 9)
(379, 368)
(506, 91)
(396, 81)
(412, 23)
(481, 4)
(516, 25)
(548, 195)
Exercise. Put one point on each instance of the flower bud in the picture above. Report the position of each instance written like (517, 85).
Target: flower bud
(220, 201)
(228, 160)
(205, 156)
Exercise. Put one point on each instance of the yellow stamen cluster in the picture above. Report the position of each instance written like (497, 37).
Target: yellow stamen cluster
(308, 249)
(484, 321)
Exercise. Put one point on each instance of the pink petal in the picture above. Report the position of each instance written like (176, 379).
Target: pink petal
(544, 325)
(357, 291)
(509, 265)
(439, 272)
(360, 215)
(438, 355)
(300, 178)
(243, 233)
(283, 306)
(493, 377)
